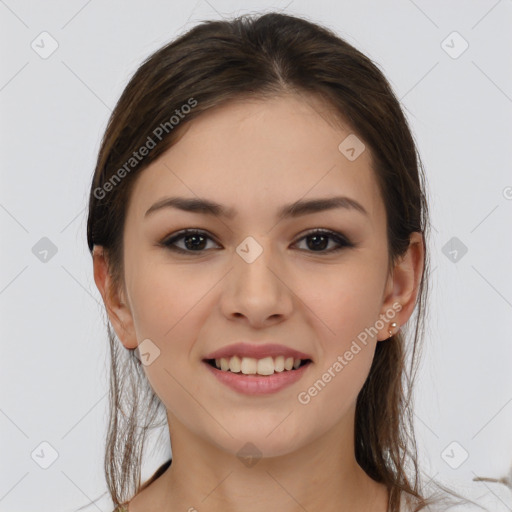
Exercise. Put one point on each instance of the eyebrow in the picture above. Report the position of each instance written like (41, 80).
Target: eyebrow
(301, 207)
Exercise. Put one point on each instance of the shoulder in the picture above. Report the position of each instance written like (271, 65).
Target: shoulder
(139, 501)
(462, 498)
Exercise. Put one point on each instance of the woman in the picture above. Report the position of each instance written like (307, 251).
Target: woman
(258, 225)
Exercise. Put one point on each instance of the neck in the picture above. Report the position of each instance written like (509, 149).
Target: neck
(322, 475)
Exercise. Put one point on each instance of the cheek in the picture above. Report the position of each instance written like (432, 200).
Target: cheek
(349, 306)
(169, 306)
(331, 393)
(163, 297)
(346, 301)
(346, 305)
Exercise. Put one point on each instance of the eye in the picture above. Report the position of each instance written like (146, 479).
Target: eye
(194, 241)
(320, 241)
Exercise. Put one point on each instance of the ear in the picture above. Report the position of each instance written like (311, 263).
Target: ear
(402, 287)
(115, 303)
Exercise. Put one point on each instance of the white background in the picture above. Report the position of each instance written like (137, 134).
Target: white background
(53, 114)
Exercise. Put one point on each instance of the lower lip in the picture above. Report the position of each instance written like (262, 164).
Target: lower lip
(258, 384)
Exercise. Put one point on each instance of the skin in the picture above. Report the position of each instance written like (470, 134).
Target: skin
(255, 156)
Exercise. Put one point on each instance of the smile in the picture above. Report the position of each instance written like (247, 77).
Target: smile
(253, 366)
(249, 381)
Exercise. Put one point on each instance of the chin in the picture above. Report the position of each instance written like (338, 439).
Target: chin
(262, 440)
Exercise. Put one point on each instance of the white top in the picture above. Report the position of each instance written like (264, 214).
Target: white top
(490, 497)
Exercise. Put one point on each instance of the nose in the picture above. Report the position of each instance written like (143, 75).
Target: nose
(256, 290)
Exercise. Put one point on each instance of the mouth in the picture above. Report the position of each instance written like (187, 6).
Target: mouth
(263, 376)
(265, 367)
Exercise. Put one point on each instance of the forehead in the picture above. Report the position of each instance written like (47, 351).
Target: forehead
(249, 154)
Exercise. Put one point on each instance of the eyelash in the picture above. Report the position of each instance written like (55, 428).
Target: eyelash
(341, 240)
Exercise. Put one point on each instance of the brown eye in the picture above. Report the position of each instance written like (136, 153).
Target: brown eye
(318, 241)
(196, 241)
(193, 241)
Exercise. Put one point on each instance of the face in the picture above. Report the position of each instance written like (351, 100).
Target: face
(254, 277)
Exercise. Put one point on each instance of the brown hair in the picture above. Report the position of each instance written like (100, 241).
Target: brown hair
(264, 56)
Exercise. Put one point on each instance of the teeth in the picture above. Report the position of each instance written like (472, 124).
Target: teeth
(265, 366)
(252, 366)
(248, 366)
(234, 364)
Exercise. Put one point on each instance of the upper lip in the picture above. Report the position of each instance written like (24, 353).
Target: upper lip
(258, 351)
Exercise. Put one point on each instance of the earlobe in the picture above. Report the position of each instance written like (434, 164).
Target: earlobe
(402, 287)
(118, 312)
